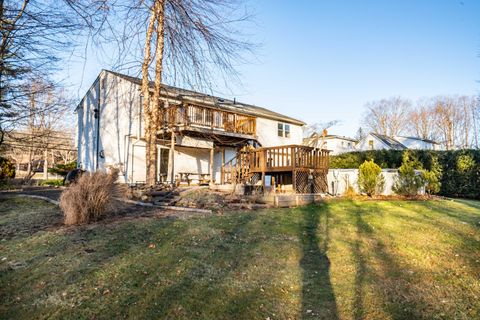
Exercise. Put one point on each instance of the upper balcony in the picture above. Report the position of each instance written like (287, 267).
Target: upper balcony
(191, 117)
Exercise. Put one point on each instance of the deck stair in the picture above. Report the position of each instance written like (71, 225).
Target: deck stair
(237, 170)
(165, 198)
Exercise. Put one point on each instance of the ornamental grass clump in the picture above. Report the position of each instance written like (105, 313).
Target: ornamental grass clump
(370, 178)
(91, 198)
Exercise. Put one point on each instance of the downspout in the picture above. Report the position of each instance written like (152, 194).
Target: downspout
(139, 128)
(97, 116)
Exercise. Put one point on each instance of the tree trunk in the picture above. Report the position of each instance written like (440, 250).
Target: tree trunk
(152, 107)
(45, 165)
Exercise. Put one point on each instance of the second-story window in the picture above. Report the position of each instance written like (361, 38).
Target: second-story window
(283, 130)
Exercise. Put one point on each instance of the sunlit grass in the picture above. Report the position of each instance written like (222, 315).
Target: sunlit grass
(337, 260)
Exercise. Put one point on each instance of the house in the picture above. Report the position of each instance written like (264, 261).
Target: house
(375, 141)
(334, 143)
(418, 143)
(34, 152)
(202, 138)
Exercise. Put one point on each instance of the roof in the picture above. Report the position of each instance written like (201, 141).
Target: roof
(221, 103)
(390, 142)
(419, 139)
(334, 136)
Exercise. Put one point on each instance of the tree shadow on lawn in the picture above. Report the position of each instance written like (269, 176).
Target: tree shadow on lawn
(473, 203)
(66, 266)
(318, 298)
(202, 289)
(431, 215)
(394, 282)
(402, 288)
(471, 215)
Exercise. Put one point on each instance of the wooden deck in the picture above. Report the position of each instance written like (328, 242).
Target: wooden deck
(287, 158)
(301, 166)
(209, 118)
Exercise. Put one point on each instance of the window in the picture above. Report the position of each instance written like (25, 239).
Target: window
(280, 129)
(370, 144)
(284, 130)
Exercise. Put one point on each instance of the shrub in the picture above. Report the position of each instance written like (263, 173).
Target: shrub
(350, 192)
(52, 182)
(63, 169)
(370, 178)
(465, 163)
(7, 169)
(432, 177)
(408, 182)
(91, 198)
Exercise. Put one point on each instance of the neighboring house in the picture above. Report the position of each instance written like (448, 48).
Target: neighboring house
(336, 144)
(418, 143)
(374, 141)
(198, 136)
(36, 152)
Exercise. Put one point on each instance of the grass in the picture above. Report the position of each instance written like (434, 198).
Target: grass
(52, 182)
(337, 260)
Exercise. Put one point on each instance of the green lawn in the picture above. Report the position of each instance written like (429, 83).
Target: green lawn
(338, 260)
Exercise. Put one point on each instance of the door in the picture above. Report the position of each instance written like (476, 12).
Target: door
(162, 164)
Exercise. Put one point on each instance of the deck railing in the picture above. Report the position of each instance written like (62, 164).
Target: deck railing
(203, 117)
(274, 159)
(286, 158)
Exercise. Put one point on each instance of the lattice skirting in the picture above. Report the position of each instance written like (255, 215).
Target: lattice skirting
(255, 178)
(303, 184)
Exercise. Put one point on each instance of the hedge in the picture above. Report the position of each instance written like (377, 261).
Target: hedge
(461, 168)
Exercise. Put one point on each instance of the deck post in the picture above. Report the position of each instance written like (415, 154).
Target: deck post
(264, 164)
(171, 157)
(212, 157)
(222, 175)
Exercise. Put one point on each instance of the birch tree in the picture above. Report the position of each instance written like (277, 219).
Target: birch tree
(183, 42)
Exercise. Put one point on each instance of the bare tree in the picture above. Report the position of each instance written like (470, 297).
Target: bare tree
(34, 36)
(316, 133)
(360, 134)
(447, 120)
(42, 130)
(186, 42)
(423, 120)
(387, 116)
(476, 122)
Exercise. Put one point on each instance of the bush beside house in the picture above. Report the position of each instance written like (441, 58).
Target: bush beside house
(91, 198)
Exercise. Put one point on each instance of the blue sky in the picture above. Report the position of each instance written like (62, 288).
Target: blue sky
(323, 60)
